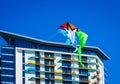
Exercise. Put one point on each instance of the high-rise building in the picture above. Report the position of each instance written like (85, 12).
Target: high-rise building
(0, 67)
(26, 60)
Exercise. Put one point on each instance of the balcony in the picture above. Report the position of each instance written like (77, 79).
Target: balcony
(50, 64)
(70, 73)
(70, 59)
(33, 78)
(84, 61)
(44, 57)
(35, 83)
(98, 71)
(33, 57)
(57, 78)
(98, 78)
(95, 82)
(33, 63)
(58, 72)
(42, 77)
(85, 81)
(49, 58)
(86, 68)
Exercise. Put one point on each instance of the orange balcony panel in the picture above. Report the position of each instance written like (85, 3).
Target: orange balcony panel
(33, 83)
(95, 74)
(50, 58)
(95, 81)
(51, 65)
(42, 77)
(74, 60)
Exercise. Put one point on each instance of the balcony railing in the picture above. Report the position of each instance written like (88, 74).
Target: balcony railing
(50, 58)
(41, 63)
(44, 57)
(58, 71)
(34, 63)
(57, 78)
(70, 59)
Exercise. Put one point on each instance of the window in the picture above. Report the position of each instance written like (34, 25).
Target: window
(9, 72)
(66, 82)
(83, 78)
(38, 81)
(37, 74)
(66, 56)
(66, 70)
(46, 62)
(84, 58)
(7, 79)
(83, 72)
(67, 77)
(37, 67)
(47, 81)
(46, 68)
(49, 75)
(65, 63)
(9, 65)
(50, 55)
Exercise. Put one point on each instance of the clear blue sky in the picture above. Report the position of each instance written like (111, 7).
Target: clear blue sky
(100, 19)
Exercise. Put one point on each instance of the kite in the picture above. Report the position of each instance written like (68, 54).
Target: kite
(82, 39)
(70, 31)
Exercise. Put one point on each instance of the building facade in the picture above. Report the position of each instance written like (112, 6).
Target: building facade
(26, 60)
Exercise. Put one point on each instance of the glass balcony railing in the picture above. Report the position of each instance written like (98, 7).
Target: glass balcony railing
(58, 72)
(58, 78)
(50, 58)
(70, 59)
(31, 62)
(44, 57)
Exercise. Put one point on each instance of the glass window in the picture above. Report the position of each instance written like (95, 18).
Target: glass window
(66, 70)
(9, 65)
(38, 81)
(66, 56)
(7, 79)
(9, 72)
(65, 63)
(47, 81)
(83, 72)
(37, 74)
(46, 68)
(67, 77)
(66, 82)
(46, 62)
(9, 58)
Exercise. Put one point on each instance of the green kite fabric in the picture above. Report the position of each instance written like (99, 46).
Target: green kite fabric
(82, 39)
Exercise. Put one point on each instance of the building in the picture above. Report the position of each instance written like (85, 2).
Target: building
(26, 60)
(0, 68)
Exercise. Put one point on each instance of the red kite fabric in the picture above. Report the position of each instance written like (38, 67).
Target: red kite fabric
(66, 25)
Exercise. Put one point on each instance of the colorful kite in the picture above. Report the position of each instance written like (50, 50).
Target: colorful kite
(69, 30)
(82, 39)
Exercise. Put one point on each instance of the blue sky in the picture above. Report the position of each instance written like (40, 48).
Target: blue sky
(100, 19)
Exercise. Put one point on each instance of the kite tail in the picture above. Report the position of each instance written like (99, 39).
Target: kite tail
(80, 56)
